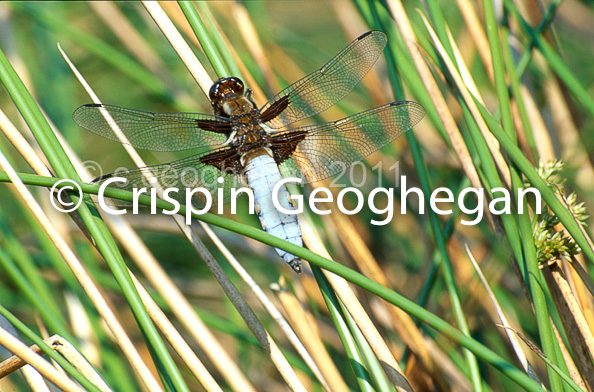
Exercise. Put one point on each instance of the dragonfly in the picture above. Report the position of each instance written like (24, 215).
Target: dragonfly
(242, 143)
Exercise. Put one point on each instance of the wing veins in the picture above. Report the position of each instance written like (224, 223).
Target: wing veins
(154, 131)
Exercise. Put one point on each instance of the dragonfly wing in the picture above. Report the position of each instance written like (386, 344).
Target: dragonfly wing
(153, 131)
(322, 151)
(186, 173)
(321, 89)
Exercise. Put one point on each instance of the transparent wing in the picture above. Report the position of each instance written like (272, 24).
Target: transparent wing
(186, 173)
(154, 131)
(321, 89)
(324, 150)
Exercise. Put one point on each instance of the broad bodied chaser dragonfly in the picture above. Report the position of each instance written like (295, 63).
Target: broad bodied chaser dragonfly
(247, 144)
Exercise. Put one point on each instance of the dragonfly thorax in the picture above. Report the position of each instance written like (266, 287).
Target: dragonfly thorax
(248, 138)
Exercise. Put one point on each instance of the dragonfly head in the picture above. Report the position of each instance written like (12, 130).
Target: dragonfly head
(228, 97)
(226, 89)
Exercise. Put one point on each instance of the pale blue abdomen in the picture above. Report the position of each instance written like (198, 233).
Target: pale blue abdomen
(262, 175)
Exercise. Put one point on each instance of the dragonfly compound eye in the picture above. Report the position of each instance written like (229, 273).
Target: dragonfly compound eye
(225, 88)
(236, 85)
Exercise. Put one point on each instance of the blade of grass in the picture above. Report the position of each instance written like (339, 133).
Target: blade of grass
(217, 38)
(555, 61)
(195, 20)
(512, 337)
(544, 24)
(374, 368)
(109, 54)
(355, 359)
(535, 281)
(356, 310)
(400, 16)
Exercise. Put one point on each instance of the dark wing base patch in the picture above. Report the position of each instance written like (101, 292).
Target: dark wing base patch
(283, 145)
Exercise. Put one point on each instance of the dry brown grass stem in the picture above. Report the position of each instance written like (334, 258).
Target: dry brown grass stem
(28, 355)
(22, 145)
(402, 322)
(179, 45)
(254, 44)
(178, 343)
(14, 363)
(68, 351)
(357, 312)
(513, 339)
(491, 141)
(268, 344)
(475, 26)
(572, 369)
(309, 334)
(85, 280)
(579, 333)
(577, 275)
(582, 286)
(35, 380)
(444, 113)
(268, 305)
